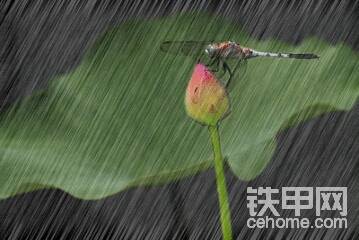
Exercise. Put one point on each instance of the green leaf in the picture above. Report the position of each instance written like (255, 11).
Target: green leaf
(118, 119)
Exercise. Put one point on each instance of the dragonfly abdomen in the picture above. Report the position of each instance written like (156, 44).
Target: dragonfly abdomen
(269, 54)
(284, 55)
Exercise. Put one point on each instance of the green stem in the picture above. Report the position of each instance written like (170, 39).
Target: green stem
(221, 184)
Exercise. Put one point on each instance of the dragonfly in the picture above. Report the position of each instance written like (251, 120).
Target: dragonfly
(220, 52)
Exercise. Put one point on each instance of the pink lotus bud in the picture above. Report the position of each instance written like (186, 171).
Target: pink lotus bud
(206, 99)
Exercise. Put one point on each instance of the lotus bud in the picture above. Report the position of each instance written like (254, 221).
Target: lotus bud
(206, 99)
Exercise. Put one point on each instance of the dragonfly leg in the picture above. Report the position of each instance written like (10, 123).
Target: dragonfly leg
(213, 65)
(226, 68)
(239, 64)
(223, 69)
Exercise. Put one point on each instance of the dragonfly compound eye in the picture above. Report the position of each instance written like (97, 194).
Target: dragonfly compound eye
(210, 51)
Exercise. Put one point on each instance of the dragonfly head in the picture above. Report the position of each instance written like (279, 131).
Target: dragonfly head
(211, 51)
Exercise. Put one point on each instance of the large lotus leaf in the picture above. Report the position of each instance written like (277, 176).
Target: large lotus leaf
(118, 119)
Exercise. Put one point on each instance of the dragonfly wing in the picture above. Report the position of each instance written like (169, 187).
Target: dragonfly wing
(188, 48)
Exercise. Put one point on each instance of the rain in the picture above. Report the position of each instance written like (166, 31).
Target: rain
(95, 139)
